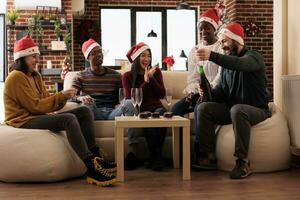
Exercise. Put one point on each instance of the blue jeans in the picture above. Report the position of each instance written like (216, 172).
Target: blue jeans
(107, 113)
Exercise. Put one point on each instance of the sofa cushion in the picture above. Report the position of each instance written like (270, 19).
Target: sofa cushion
(30, 155)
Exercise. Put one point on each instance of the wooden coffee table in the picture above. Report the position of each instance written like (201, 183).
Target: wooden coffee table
(175, 123)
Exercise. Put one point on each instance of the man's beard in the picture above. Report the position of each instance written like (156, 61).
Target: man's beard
(234, 50)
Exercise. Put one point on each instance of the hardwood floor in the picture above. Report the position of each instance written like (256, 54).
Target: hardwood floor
(143, 184)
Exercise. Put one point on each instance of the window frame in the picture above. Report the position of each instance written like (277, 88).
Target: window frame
(4, 49)
(163, 10)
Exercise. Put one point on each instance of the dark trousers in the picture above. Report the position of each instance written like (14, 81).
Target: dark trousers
(242, 117)
(155, 138)
(78, 124)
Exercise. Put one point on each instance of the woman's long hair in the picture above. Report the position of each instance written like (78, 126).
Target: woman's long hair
(135, 67)
(20, 65)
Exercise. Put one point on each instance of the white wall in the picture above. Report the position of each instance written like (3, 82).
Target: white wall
(293, 37)
(2, 6)
(286, 43)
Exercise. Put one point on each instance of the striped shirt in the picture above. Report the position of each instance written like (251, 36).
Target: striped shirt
(104, 87)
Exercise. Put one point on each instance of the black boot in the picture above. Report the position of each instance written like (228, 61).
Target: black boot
(110, 167)
(96, 175)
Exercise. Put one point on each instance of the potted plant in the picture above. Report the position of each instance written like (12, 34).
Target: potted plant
(57, 29)
(68, 42)
(12, 15)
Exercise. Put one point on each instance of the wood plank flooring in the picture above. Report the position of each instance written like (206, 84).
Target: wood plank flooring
(143, 184)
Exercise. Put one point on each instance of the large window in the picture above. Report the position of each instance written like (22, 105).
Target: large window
(2, 47)
(123, 27)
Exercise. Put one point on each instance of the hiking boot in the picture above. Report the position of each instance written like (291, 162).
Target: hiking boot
(107, 166)
(104, 165)
(100, 154)
(131, 161)
(100, 178)
(241, 169)
(97, 175)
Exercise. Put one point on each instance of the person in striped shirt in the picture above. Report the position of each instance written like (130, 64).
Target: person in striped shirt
(98, 86)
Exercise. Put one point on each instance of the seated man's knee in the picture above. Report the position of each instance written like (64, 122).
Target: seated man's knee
(236, 111)
(201, 108)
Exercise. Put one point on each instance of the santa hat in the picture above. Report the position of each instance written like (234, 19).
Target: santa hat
(88, 46)
(25, 47)
(136, 50)
(211, 16)
(234, 31)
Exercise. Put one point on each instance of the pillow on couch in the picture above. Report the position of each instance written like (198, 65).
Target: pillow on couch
(30, 155)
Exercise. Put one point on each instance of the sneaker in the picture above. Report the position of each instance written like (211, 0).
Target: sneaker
(99, 176)
(205, 164)
(241, 170)
(131, 161)
(109, 167)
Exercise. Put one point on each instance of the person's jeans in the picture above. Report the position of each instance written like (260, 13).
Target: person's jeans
(242, 117)
(107, 113)
(78, 124)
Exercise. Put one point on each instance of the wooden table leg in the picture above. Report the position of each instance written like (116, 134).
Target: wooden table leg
(176, 147)
(119, 153)
(186, 169)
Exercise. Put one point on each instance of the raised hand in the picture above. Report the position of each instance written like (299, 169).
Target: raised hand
(203, 54)
(146, 75)
(151, 71)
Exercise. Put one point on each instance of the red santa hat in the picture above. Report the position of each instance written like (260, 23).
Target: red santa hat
(234, 31)
(88, 46)
(25, 47)
(136, 50)
(211, 16)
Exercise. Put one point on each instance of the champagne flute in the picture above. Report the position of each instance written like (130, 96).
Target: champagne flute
(139, 99)
(168, 97)
(122, 99)
(134, 97)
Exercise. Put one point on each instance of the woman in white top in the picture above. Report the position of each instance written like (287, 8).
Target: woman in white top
(207, 26)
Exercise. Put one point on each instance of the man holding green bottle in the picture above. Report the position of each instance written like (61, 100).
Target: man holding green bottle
(239, 98)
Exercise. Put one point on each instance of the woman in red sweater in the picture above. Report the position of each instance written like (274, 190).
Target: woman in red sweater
(142, 75)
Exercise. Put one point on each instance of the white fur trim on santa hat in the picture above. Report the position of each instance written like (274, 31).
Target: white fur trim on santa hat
(90, 48)
(232, 35)
(139, 51)
(209, 20)
(26, 52)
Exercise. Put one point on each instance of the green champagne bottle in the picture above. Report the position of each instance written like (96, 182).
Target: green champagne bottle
(204, 85)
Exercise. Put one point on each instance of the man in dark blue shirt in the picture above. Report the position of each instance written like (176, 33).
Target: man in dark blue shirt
(239, 98)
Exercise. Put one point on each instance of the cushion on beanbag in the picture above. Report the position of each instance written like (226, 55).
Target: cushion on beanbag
(30, 155)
